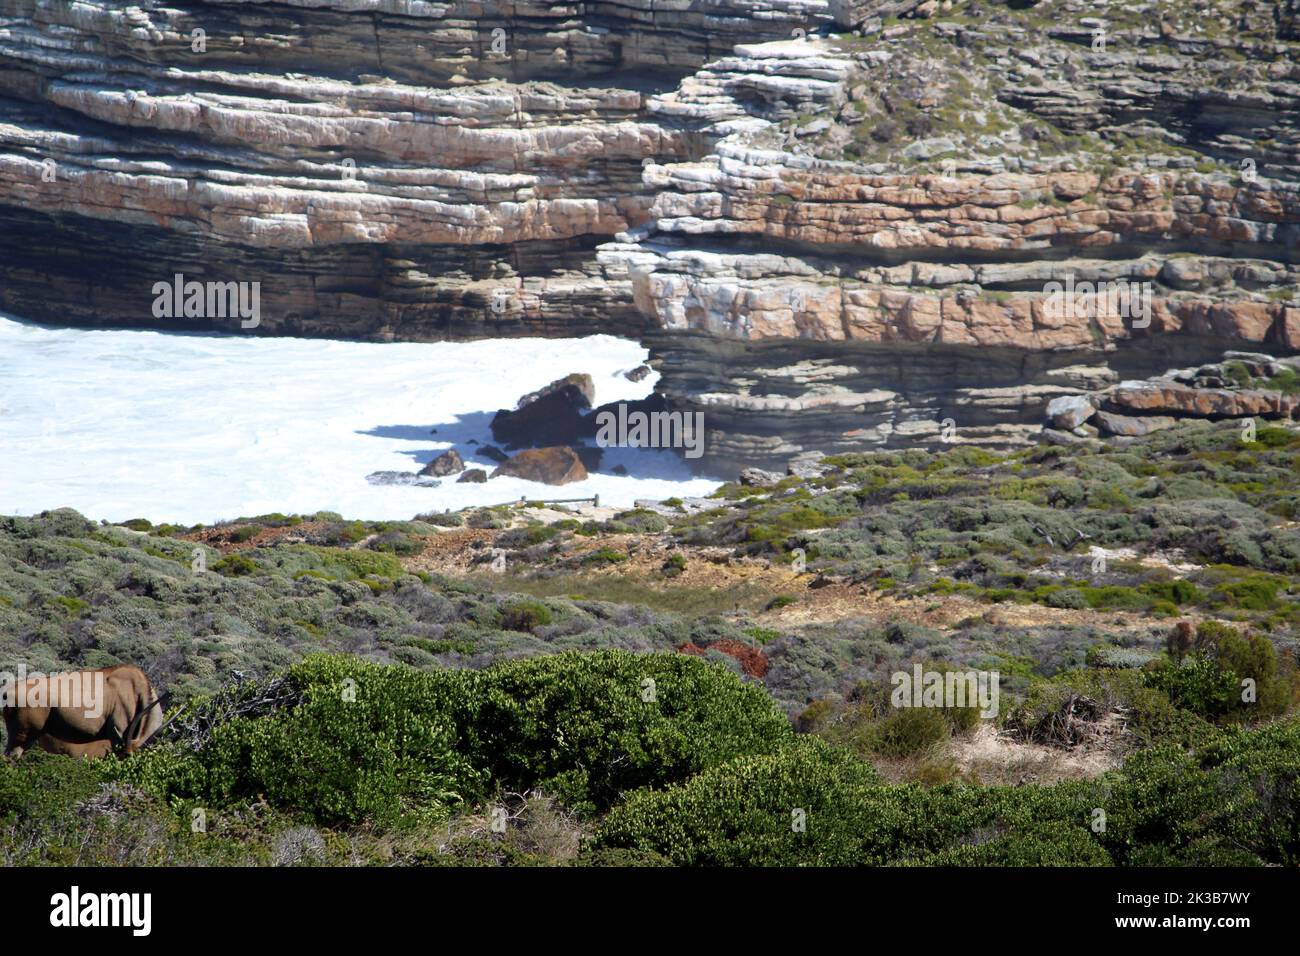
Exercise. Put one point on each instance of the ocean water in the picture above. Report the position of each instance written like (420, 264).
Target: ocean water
(198, 428)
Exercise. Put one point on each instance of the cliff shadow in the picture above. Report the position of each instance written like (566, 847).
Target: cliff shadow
(468, 433)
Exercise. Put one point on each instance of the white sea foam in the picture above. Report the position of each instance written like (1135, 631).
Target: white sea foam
(198, 428)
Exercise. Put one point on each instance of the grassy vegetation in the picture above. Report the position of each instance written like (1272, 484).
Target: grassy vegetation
(555, 692)
(1218, 805)
(661, 595)
(1025, 526)
(625, 758)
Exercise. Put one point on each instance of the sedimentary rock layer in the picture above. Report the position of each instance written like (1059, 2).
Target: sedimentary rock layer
(830, 236)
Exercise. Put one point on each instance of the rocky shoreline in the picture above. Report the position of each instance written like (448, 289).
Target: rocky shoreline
(835, 229)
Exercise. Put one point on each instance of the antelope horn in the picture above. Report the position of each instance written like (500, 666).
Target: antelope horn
(137, 721)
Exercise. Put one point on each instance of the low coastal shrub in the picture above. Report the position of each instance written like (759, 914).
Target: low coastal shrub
(389, 744)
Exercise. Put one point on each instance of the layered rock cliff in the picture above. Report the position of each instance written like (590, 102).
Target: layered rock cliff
(835, 228)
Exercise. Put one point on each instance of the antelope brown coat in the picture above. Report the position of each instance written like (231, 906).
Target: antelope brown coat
(128, 714)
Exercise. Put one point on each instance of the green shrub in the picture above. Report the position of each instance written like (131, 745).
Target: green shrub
(1210, 681)
(1198, 685)
(442, 519)
(342, 534)
(1253, 594)
(675, 564)
(1115, 597)
(41, 787)
(394, 542)
(1232, 802)
(1175, 592)
(589, 727)
(530, 536)
(449, 646)
(366, 743)
(1056, 844)
(604, 556)
(909, 731)
(485, 518)
(73, 607)
(349, 565)
(642, 521)
(619, 857)
(748, 812)
(1271, 436)
(763, 635)
(413, 746)
(524, 615)
(741, 814)
(235, 565)
(1071, 598)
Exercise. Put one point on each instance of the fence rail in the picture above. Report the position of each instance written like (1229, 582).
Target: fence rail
(524, 499)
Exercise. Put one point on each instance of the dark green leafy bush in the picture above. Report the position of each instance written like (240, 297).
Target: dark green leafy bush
(1042, 845)
(588, 727)
(1227, 676)
(235, 565)
(1198, 685)
(366, 743)
(1234, 803)
(749, 811)
(909, 731)
(41, 786)
(386, 744)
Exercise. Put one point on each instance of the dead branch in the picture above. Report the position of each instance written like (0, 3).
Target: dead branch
(194, 724)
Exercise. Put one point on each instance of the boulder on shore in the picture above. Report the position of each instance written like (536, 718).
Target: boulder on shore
(548, 417)
(557, 465)
(473, 475)
(448, 463)
(579, 380)
(758, 478)
(1070, 411)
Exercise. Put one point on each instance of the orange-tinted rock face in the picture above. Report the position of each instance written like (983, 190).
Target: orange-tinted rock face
(1202, 402)
(558, 465)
